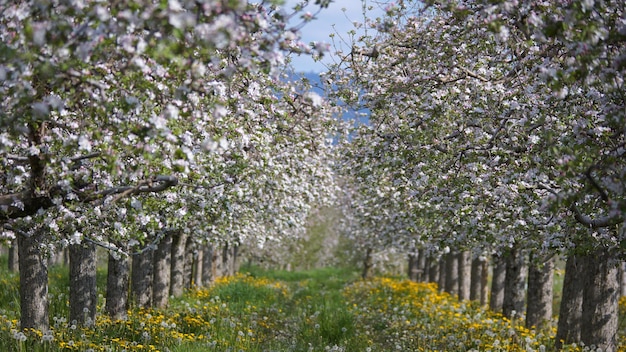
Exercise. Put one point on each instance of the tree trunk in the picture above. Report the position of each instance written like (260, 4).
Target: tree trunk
(421, 266)
(141, 280)
(234, 259)
(118, 274)
(514, 284)
(477, 279)
(540, 283)
(367, 263)
(433, 269)
(412, 272)
(207, 265)
(14, 257)
(452, 273)
(33, 282)
(162, 265)
(497, 283)
(197, 271)
(442, 273)
(600, 295)
(484, 294)
(570, 309)
(465, 275)
(226, 261)
(177, 277)
(216, 268)
(188, 265)
(83, 290)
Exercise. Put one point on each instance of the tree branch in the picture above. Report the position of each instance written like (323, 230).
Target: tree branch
(605, 221)
(23, 204)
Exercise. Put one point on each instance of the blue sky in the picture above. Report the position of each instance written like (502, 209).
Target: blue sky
(330, 20)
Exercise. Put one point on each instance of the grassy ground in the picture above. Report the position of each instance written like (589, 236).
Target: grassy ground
(319, 310)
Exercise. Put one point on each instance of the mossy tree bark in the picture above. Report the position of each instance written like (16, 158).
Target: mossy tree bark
(179, 241)
(208, 276)
(33, 269)
(83, 290)
(570, 309)
(514, 284)
(600, 295)
(498, 277)
(141, 278)
(162, 264)
(540, 283)
(118, 279)
(465, 274)
(452, 273)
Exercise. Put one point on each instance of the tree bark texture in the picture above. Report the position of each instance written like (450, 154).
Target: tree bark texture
(162, 265)
(118, 275)
(412, 272)
(207, 265)
(141, 278)
(465, 274)
(600, 295)
(197, 268)
(442, 274)
(227, 266)
(421, 266)
(33, 282)
(570, 309)
(216, 268)
(452, 273)
(498, 277)
(235, 260)
(188, 265)
(83, 290)
(477, 279)
(179, 240)
(433, 269)
(514, 284)
(540, 283)
(484, 294)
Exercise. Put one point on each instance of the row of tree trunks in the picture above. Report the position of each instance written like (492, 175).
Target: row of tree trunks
(150, 270)
(591, 288)
(457, 273)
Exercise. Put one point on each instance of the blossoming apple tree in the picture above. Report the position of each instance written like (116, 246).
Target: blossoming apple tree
(120, 120)
(501, 125)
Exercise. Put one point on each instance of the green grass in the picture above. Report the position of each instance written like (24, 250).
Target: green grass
(259, 310)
